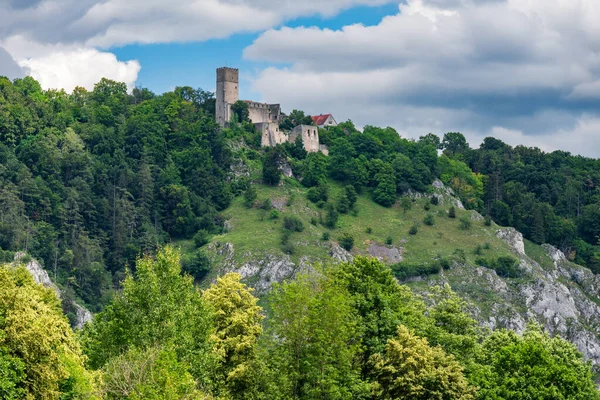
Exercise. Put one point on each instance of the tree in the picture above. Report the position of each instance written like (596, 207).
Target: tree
(39, 354)
(237, 320)
(153, 373)
(452, 212)
(296, 117)
(157, 305)
(431, 139)
(533, 366)
(250, 196)
(346, 241)
(454, 143)
(351, 195)
(12, 377)
(380, 303)
(385, 192)
(331, 218)
(411, 369)
(271, 166)
(313, 340)
(240, 110)
(315, 170)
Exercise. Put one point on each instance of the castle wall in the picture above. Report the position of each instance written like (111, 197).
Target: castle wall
(261, 112)
(271, 135)
(227, 93)
(309, 135)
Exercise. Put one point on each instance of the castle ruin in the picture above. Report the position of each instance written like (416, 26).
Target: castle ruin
(265, 117)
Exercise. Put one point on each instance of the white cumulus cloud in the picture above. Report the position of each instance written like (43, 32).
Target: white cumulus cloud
(80, 67)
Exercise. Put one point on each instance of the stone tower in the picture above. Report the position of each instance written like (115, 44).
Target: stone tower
(227, 93)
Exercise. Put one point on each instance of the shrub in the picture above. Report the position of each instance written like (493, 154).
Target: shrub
(406, 204)
(201, 238)
(346, 241)
(266, 205)
(331, 219)
(429, 220)
(351, 195)
(325, 236)
(293, 224)
(250, 197)
(321, 204)
(413, 230)
(427, 207)
(369, 230)
(285, 237)
(452, 212)
(318, 193)
(389, 240)
(343, 205)
(487, 246)
(488, 220)
(291, 200)
(505, 266)
(288, 248)
(314, 221)
(405, 270)
(478, 250)
(434, 200)
(274, 214)
(465, 223)
(196, 264)
(460, 255)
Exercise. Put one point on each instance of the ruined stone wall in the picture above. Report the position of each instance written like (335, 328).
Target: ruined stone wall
(259, 113)
(271, 135)
(227, 93)
(309, 135)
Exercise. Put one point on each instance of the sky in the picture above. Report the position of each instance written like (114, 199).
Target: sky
(524, 71)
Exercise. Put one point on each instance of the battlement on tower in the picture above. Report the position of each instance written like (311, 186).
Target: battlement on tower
(226, 74)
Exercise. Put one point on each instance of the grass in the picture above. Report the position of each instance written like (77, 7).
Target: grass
(253, 233)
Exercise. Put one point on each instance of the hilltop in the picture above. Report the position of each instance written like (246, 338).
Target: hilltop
(91, 181)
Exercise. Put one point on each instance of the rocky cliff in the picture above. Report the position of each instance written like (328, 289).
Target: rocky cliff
(40, 275)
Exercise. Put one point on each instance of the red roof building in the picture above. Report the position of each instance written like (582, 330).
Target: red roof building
(324, 120)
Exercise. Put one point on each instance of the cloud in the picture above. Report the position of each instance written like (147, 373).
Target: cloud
(80, 67)
(495, 66)
(116, 22)
(8, 66)
(58, 39)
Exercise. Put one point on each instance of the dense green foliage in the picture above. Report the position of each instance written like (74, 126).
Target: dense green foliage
(90, 180)
(333, 332)
(93, 184)
(40, 357)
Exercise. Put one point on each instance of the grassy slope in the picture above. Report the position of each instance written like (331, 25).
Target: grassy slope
(253, 233)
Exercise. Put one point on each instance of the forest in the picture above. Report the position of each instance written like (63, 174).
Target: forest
(96, 184)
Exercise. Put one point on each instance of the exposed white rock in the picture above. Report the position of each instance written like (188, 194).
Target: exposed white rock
(475, 216)
(513, 238)
(83, 316)
(554, 253)
(41, 276)
(448, 193)
(286, 169)
(339, 253)
(386, 254)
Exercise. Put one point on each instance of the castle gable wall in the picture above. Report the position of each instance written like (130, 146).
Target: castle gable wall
(309, 135)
